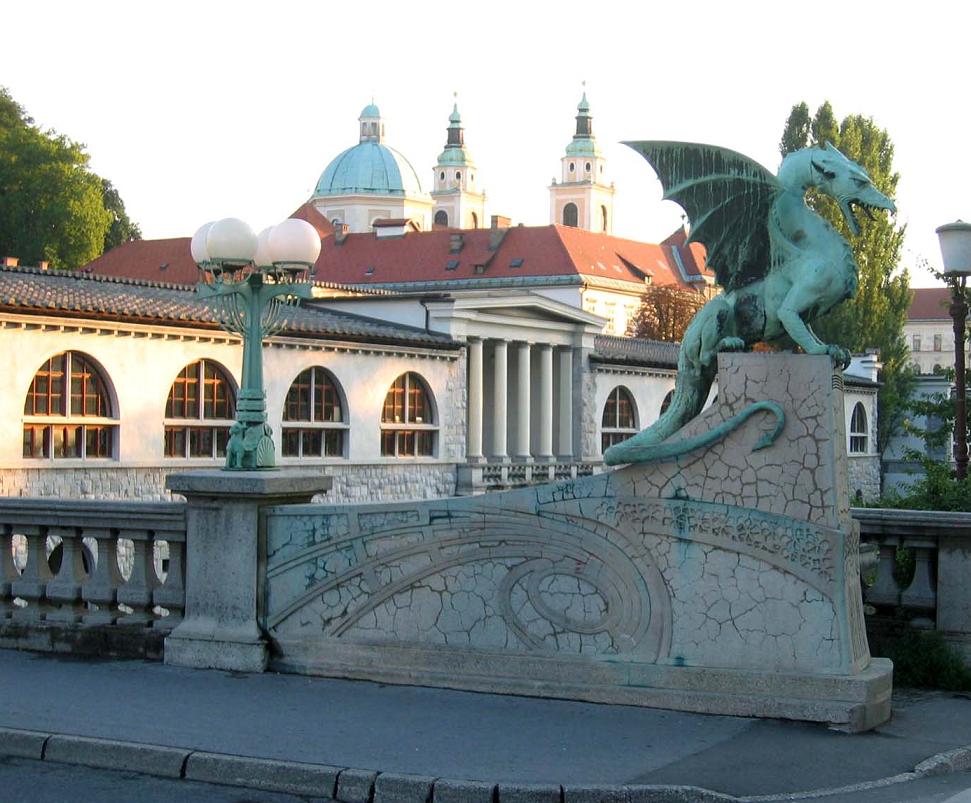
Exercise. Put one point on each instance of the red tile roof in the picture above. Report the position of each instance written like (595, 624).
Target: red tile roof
(533, 251)
(930, 303)
(433, 256)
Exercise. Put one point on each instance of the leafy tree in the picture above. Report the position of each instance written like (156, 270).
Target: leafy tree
(876, 317)
(122, 229)
(52, 207)
(664, 313)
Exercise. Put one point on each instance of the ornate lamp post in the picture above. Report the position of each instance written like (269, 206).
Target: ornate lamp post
(248, 281)
(956, 252)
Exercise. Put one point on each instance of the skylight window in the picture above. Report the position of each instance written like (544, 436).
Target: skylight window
(452, 264)
(516, 263)
(369, 271)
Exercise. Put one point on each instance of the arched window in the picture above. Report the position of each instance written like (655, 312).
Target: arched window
(475, 220)
(619, 420)
(570, 215)
(441, 218)
(407, 419)
(68, 411)
(199, 411)
(441, 176)
(586, 167)
(859, 434)
(458, 175)
(573, 167)
(603, 218)
(666, 402)
(313, 416)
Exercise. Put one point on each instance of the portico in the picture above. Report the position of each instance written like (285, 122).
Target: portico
(524, 352)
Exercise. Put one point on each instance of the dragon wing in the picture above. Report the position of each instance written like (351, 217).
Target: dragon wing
(727, 197)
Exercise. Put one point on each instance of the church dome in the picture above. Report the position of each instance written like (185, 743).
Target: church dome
(369, 168)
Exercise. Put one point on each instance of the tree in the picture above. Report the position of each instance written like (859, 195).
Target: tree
(664, 313)
(122, 229)
(876, 316)
(52, 207)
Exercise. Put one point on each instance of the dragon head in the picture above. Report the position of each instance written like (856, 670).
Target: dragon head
(847, 183)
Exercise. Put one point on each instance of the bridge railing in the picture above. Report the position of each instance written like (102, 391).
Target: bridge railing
(923, 569)
(85, 563)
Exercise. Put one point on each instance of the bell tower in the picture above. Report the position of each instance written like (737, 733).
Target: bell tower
(458, 201)
(582, 197)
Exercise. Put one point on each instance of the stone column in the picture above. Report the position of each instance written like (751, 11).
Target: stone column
(545, 403)
(474, 452)
(500, 402)
(521, 450)
(224, 563)
(565, 434)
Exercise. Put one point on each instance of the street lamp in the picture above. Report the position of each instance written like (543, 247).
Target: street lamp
(248, 280)
(956, 252)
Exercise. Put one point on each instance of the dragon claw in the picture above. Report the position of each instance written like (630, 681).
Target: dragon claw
(840, 355)
(731, 344)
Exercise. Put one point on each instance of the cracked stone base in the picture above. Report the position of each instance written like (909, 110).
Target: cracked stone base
(846, 702)
(215, 653)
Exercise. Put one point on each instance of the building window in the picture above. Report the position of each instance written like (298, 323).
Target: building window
(603, 218)
(441, 218)
(938, 342)
(572, 167)
(570, 215)
(199, 411)
(475, 220)
(587, 167)
(619, 420)
(458, 175)
(666, 402)
(441, 176)
(916, 346)
(407, 419)
(68, 411)
(314, 424)
(859, 435)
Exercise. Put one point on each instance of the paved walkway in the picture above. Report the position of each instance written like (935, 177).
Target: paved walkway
(460, 735)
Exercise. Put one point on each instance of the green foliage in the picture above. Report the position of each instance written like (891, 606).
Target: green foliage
(922, 659)
(938, 489)
(876, 317)
(52, 207)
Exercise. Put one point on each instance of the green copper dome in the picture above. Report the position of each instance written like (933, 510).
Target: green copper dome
(369, 168)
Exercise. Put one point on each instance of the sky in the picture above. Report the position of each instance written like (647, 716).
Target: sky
(203, 110)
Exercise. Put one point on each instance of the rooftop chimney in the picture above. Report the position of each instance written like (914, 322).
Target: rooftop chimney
(43, 264)
(11, 262)
(501, 222)
(340, 233)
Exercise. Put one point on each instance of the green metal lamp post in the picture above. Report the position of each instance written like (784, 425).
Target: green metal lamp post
(955, 241)
(248, 281)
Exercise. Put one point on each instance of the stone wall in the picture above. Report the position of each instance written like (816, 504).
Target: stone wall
(352, 483)
(864, 476)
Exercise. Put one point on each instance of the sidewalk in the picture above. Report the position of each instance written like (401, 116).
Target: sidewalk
(461, 736)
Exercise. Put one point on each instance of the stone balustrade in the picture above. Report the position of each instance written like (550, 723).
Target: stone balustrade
(492, 476)
(937, 593)
(70, 566)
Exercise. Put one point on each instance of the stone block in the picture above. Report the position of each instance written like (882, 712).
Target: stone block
(292, 777)
(390, 787)
(151, 759)
(596, 794)
(355, 786)
(529, 793)
(22, 744)
(463, 792)
(676, 794)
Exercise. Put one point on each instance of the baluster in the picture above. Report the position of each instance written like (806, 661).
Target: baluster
(8, 572)
(885, 591)
(64, 590)
(137, 592)
(31, 586)
(171, 594)
(921, 594)
(101, 589)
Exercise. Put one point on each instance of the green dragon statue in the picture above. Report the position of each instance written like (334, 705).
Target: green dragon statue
(780, 263)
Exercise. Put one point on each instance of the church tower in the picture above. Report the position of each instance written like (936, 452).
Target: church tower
(458, 201)
(582, 198)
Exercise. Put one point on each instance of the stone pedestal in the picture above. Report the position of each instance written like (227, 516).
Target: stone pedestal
(224, 536)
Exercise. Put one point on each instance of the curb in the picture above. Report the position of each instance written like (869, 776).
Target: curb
(350, 785)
